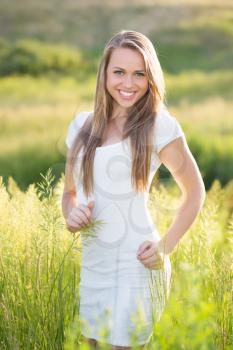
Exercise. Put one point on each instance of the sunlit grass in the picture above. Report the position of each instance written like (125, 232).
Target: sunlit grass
(50, 89)
(40, 265)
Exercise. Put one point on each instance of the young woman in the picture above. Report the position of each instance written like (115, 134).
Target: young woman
(113, 153)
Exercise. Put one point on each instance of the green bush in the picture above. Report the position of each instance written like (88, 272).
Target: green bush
(35, 58)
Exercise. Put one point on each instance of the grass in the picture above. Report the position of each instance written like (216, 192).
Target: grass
(40, 266)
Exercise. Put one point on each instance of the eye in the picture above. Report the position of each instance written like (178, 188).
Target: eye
(118, 71)
(138, 73)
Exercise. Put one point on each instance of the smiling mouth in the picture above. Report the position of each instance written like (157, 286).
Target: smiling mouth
(127, 93)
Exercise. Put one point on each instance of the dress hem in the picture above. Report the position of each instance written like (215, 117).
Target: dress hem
(119, 343)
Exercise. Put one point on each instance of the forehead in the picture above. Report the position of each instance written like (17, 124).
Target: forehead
(126, 58)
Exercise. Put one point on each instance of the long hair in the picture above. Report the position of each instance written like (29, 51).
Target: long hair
(140, 117)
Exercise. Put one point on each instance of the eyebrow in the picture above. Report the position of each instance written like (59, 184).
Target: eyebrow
(139, 70)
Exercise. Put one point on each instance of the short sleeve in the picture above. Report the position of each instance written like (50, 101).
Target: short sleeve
(167, 129)
(74, 127)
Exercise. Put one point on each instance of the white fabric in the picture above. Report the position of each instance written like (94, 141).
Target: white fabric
(167, 129)
(74, 127)
(114, 285)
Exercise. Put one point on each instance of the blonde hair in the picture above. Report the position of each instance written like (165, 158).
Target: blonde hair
(140, 117)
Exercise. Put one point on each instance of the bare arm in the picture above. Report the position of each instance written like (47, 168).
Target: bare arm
(178, 159)
(68, 202)
(68, 197)
(76, 216)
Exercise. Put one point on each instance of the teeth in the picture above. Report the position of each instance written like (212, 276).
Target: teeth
(126, 93)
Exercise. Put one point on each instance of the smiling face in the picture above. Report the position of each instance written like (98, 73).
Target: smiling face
(126, 79)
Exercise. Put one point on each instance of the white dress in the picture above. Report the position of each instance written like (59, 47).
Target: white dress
(115, 287)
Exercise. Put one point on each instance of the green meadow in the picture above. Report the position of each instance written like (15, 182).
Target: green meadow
(49, 55)
(40, 265)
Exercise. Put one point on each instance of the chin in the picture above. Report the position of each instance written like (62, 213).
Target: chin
(125, 103)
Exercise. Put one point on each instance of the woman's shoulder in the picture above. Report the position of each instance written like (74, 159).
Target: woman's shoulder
(164, 117)
(167, 128)
(80, 118)
(76, 123)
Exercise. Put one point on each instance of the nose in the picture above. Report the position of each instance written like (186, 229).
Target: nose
(128, 82)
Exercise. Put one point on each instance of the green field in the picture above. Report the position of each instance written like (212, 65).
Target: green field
(40, 264)
(49, 55)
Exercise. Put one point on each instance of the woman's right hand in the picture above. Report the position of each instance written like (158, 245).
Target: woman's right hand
(80, 216)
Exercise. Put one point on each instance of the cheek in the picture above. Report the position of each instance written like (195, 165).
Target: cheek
(111, 81)
(144, 87)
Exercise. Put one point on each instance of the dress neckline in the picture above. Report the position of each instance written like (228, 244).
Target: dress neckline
(112, 144)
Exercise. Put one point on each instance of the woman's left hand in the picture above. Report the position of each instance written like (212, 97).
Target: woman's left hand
(150, 255)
